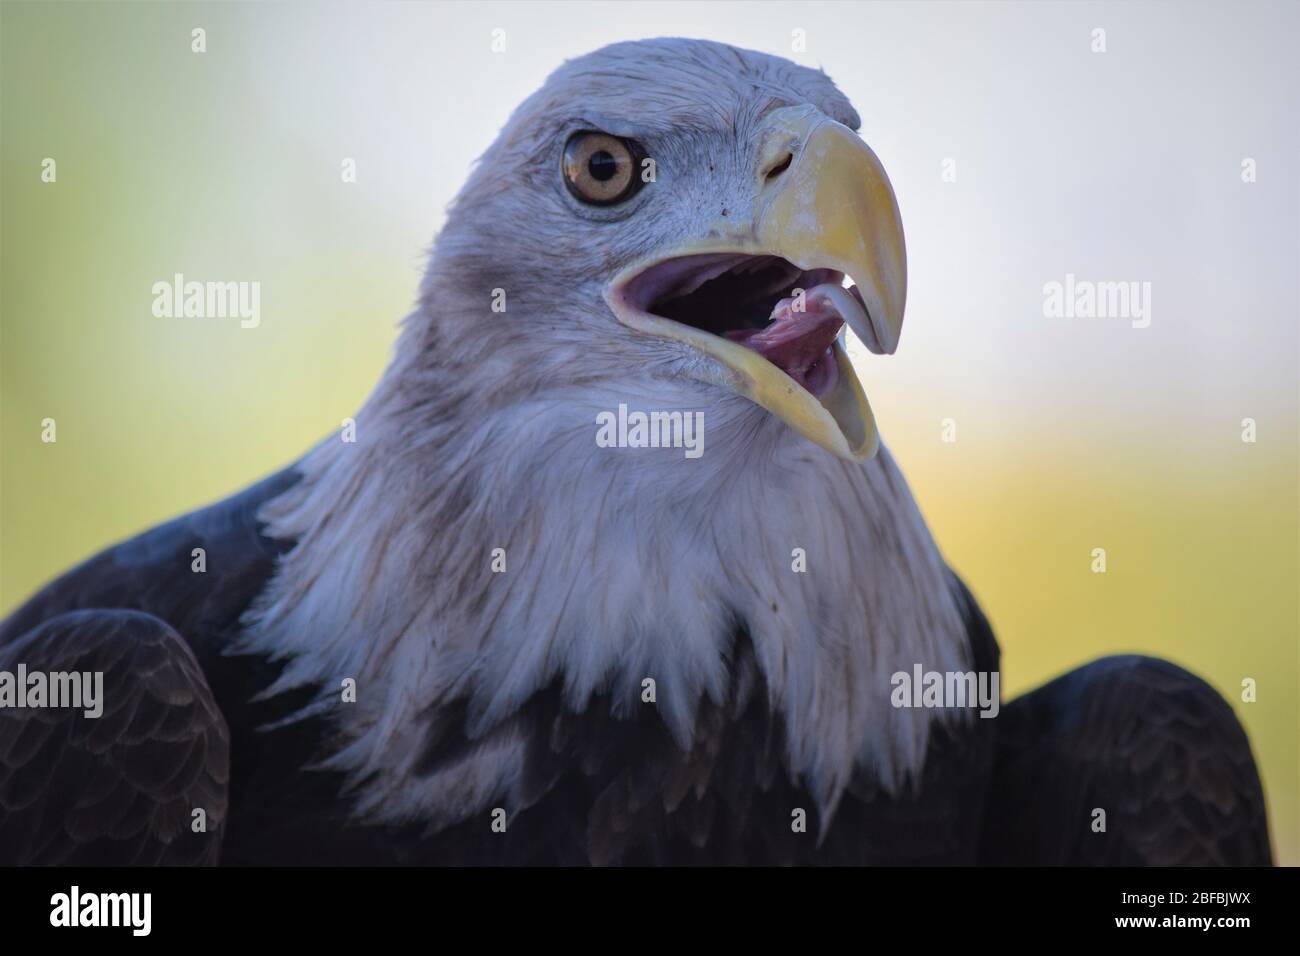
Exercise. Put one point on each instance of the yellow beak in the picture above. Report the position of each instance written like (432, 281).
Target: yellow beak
(832, 208)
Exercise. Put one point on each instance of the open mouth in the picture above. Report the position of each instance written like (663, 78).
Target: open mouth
(763, 301)
(788, 315)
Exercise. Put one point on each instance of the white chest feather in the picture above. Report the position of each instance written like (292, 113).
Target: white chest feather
(621, 565)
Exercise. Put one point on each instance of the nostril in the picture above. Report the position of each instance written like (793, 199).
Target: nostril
(780, 167)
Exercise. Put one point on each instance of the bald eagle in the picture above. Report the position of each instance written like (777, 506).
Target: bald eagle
(472, 633)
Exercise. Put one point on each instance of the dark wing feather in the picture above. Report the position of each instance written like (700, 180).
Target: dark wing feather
(1153, 746)
(121, 788)
(152, 573)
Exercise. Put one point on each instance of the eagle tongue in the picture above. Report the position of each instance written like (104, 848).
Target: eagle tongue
(798, 340)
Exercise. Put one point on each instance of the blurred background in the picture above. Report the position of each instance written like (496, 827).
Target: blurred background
(1071, 434)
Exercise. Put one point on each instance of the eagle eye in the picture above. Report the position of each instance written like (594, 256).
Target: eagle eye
(600, 169)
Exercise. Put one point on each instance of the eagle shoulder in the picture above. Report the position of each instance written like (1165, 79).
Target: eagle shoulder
(154, 571)
(1130, 761)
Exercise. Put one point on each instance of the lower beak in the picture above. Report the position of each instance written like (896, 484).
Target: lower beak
(832, 208)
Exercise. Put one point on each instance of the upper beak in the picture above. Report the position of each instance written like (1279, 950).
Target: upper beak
(832, 208)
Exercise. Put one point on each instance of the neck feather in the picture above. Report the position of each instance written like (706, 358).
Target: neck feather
(621, 565)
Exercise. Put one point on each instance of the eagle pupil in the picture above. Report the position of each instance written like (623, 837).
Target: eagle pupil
(602, 166)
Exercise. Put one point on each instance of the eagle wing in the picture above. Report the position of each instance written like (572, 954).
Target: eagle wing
(145, 781)
(1152, 747)
(124, 787)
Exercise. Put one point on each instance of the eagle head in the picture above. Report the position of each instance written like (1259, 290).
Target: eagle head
(682, 211)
